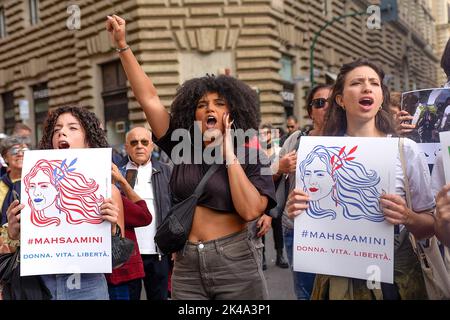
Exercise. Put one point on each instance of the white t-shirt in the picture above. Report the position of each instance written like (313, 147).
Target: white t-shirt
(438, 175)
(419, 178)
(143, 187)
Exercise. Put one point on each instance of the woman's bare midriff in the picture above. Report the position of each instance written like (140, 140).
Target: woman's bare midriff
(210, 224)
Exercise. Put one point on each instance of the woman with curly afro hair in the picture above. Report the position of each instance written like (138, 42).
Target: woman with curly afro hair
(74, 127)
(220, 260)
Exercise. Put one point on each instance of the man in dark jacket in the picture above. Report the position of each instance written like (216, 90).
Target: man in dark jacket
(150, 179)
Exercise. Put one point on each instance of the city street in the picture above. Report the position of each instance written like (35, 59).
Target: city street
(279, 281)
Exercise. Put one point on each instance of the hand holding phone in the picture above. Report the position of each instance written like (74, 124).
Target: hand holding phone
(16, 195)
(130, 176)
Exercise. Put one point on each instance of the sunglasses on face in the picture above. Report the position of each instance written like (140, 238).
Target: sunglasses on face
(14, 151)
(144, 142)
(290, 127)
(319, 103)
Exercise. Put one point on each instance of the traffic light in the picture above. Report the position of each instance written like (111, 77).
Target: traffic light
(389, 10)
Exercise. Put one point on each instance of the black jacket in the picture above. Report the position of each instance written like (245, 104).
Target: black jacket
(161, 190)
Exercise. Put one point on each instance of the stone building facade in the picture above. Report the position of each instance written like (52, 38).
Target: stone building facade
(441, 10)
(53, 53)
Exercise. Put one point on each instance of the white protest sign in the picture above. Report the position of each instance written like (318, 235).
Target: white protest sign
(61, 227)
(343, 232)
(445, 145)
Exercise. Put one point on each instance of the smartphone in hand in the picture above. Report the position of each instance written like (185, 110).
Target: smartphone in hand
(130, 176)
(16, 195)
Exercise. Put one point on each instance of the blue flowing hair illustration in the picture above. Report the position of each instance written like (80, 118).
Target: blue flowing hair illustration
(354, 187)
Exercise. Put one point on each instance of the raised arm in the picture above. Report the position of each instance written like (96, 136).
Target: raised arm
(124, 185)
(112, 210)
(136, 213)
(141, 84)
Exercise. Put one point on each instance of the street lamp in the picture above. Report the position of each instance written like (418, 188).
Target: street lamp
(317, 35)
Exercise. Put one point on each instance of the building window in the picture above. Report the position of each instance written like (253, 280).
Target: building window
(2, 23)
(327, 9)
(40, 102)
(9, 112)
(448, 13)
(115, 101)
(286, 71)
(34, 11)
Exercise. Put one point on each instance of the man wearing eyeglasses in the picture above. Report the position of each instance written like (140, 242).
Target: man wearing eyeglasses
(150, 180)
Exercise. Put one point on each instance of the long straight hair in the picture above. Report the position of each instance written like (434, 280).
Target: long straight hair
(336, 118)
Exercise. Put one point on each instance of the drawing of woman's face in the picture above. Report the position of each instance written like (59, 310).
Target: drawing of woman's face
(41, 191)
(318, 181)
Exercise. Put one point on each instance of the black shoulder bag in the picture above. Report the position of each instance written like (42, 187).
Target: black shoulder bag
(121, 249)
(16, 287)
(173, 232)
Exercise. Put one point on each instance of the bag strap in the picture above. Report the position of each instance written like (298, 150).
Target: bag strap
(401, 151)
(201, 185)
(297, 143)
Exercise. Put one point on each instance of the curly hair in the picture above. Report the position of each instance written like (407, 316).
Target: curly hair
(95, 135)
(243, 101)
(336, 119)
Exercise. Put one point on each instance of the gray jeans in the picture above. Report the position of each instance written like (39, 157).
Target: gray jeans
(225, 268)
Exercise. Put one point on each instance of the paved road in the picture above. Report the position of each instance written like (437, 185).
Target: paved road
(279, 281)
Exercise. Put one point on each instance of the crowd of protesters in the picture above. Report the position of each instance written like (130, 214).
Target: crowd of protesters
(223, 257)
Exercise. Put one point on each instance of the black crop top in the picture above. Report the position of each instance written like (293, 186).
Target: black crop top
(217, 194)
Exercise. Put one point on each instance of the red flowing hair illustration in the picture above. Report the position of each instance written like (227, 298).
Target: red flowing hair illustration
(75, 197)
(338, 162)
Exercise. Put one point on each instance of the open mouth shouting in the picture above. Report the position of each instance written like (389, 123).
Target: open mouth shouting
(366, 103)
(211, 122)
(63, 145)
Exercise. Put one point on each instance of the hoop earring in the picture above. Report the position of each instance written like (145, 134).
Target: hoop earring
(190, 135)
(233, 126)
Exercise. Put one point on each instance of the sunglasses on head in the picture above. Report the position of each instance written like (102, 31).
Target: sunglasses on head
(14, 151)
(318, 103)
(144, 142)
